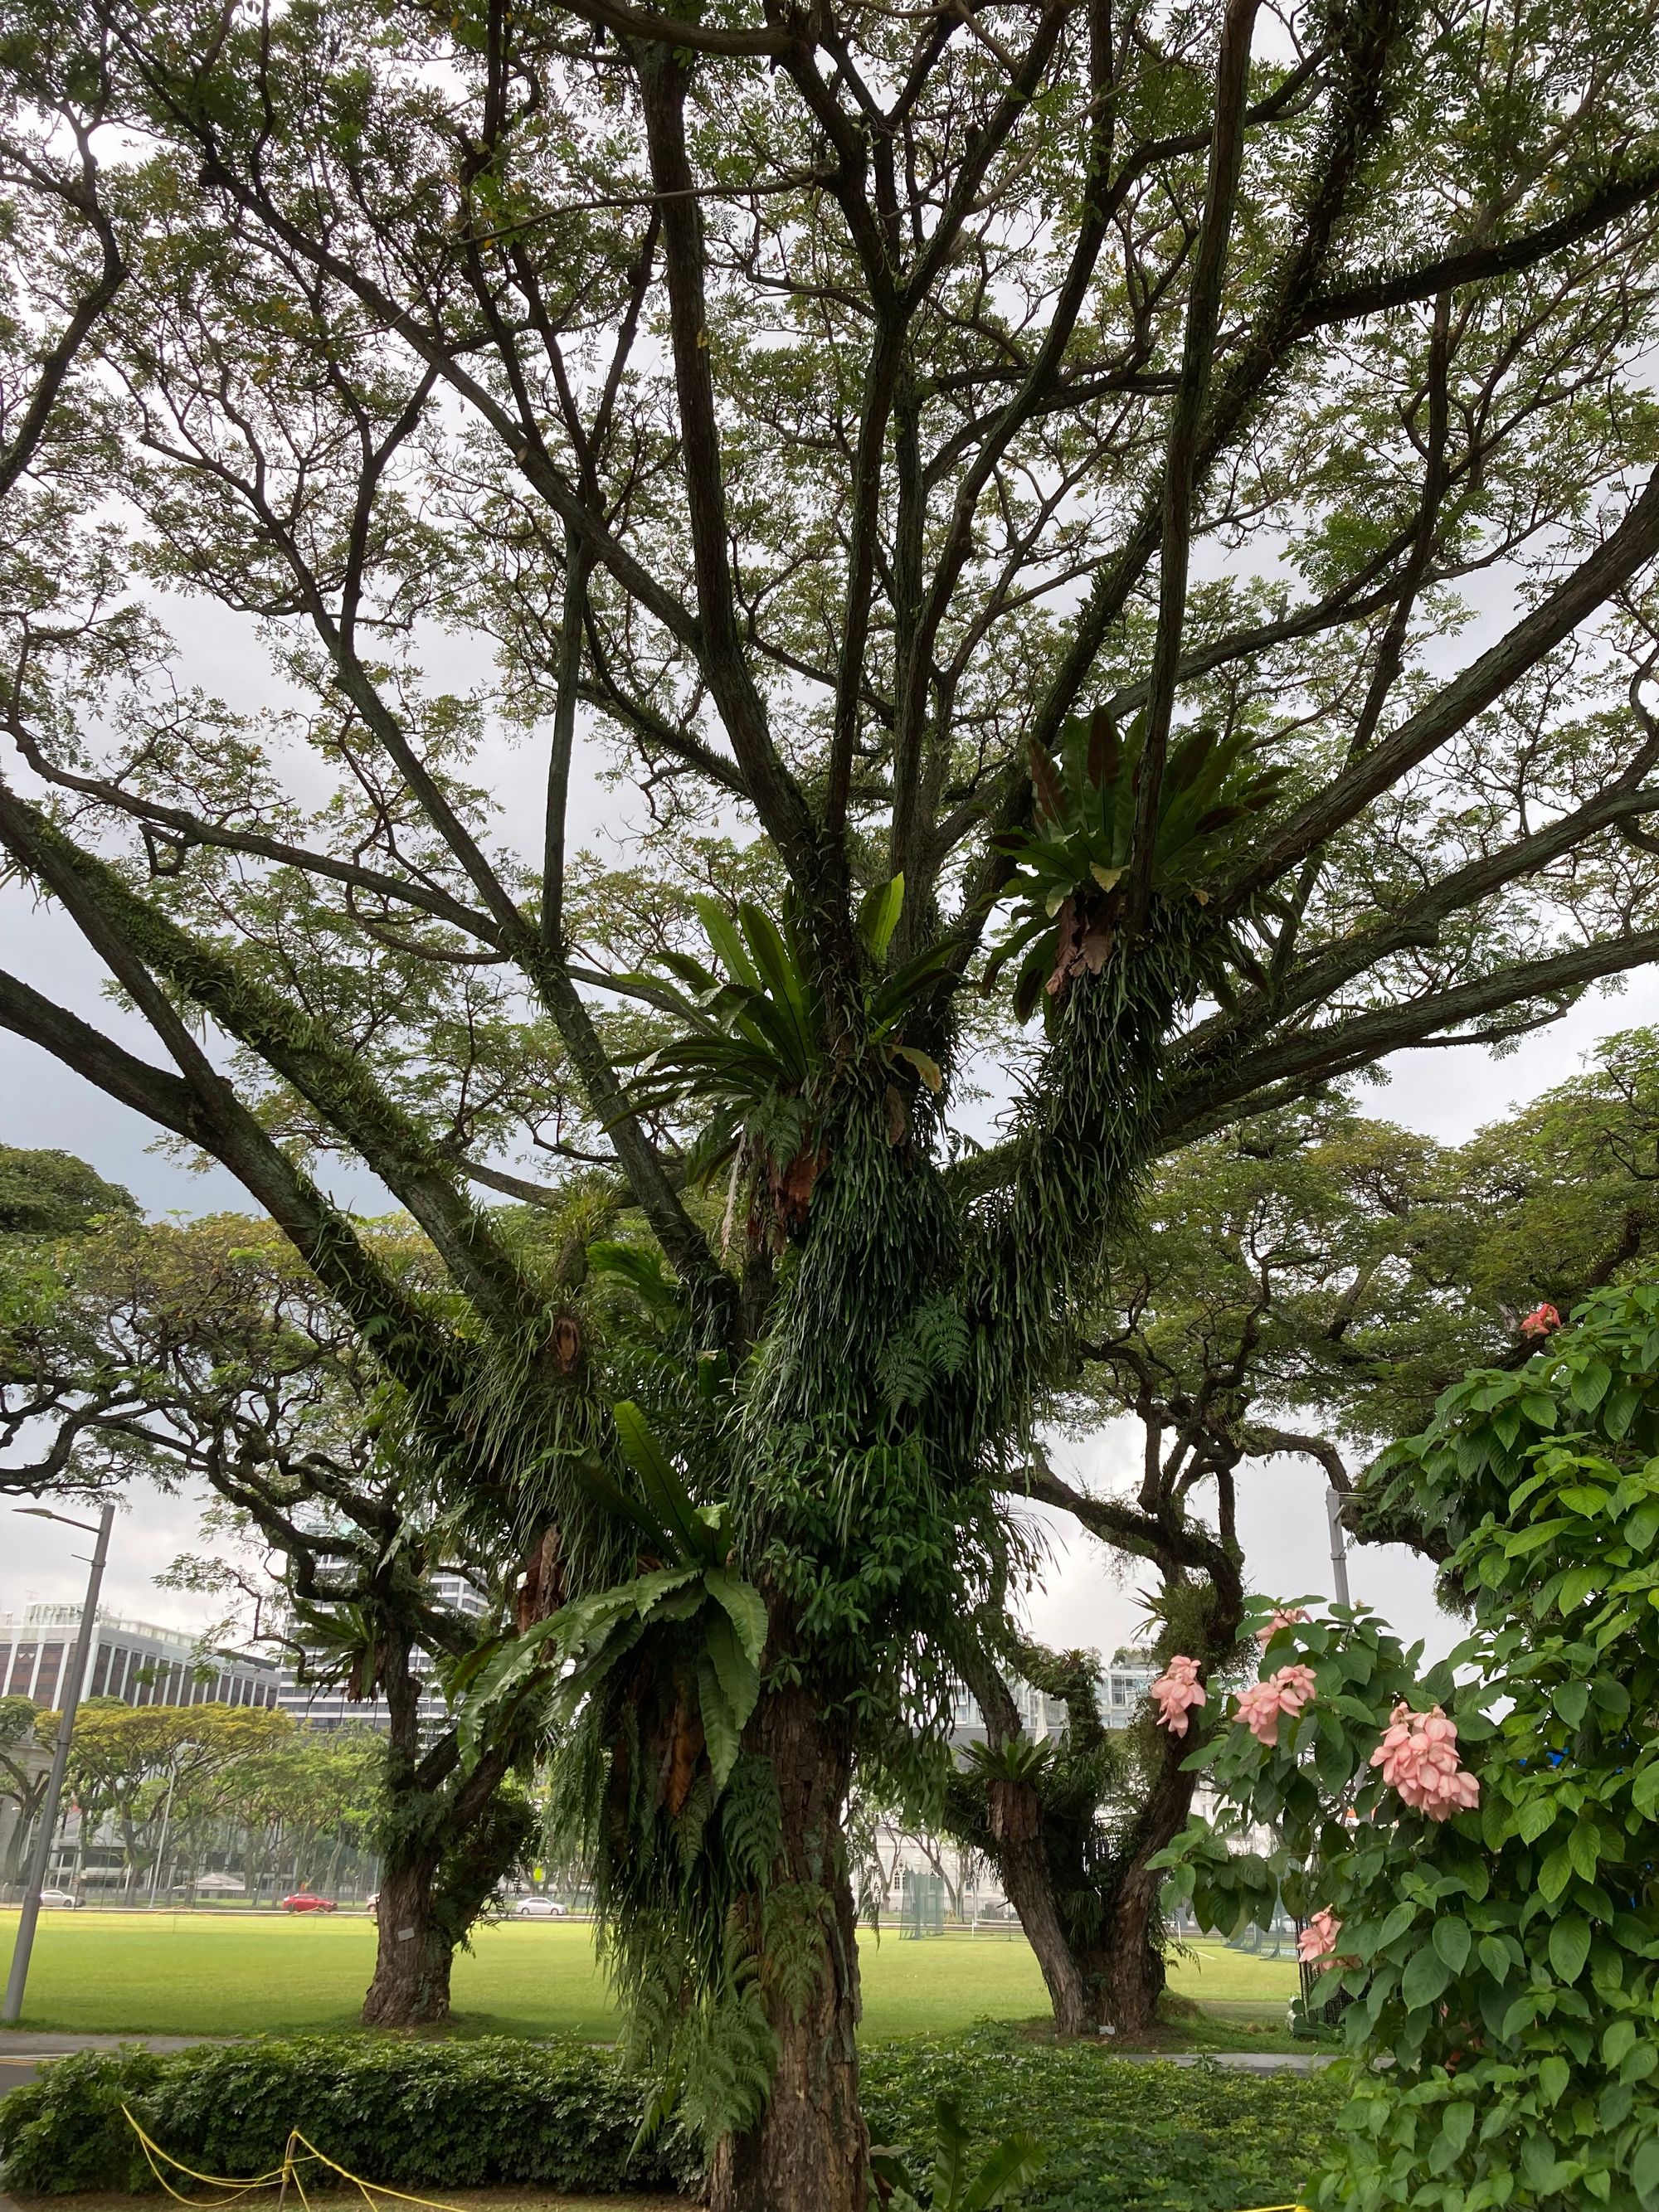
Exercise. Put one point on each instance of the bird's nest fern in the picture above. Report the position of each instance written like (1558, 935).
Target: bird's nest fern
(1073, 866)
(757, 1056)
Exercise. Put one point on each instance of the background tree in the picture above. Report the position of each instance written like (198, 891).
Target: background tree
(129, 1764)
(1297, 1284)
(53, 1193)
(22, 1780)
(1036, 457)
(209, 1353)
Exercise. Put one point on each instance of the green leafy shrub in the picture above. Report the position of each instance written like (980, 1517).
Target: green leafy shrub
(1117, 2135)
(451, 2115)
(954, 2183)
(1505, 1954)
(1117, 2138)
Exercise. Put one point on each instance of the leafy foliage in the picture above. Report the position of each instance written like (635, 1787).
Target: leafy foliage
(463, 2115)
(1506, 1960)
(48, 1193)
(1118, 2138)
(952, 2186)
(759, 1057)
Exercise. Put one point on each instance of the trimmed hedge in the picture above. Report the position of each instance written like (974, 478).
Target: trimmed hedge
(1120, 2137)
(458, 2114)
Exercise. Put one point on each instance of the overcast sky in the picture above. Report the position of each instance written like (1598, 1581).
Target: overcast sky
(1082, 1599)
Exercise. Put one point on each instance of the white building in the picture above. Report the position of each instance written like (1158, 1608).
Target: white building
(326, 1705)
(132, 1659)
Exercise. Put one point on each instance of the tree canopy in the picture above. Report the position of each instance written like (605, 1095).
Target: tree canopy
(53, 1193)
(1144, 515)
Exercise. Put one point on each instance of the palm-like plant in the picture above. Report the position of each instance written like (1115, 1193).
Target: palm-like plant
(1071, 863)
(755, 1056)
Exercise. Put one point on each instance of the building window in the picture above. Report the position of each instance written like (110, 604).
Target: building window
(52, 1665)
(22, 1668)
(100, 1671)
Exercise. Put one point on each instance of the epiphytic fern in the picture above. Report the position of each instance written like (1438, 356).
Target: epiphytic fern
(1071, 863)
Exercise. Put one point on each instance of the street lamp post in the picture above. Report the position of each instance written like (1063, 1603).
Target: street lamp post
(40, 1858)
(1338, 1545)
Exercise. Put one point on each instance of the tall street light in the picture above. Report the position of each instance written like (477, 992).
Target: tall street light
(40, 1857)
(1338, 1545)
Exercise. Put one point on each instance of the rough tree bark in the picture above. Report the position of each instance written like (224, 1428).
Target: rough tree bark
(811, 2147)
(1015, 1827)
(447, 1842)
(414, 1953)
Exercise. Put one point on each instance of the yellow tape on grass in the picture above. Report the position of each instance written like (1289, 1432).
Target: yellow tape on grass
(297, 2155)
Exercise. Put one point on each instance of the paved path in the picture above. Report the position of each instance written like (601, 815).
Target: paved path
(24, 2051)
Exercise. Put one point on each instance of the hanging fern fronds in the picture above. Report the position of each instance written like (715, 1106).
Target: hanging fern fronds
(1073, 863)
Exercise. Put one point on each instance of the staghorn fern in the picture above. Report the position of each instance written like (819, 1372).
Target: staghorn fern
(1071, 863)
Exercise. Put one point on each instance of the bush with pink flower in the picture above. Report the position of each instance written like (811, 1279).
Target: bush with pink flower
(1175, 1692)
(1482, 1836)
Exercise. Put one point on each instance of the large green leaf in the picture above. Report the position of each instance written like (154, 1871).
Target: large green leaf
(1017, 2159)
(721, 1732)
(746, 1608)
(666, 1493)
(1425, 1979)
(950, 2155)
(878, 913)
(738, 1675)
(1570, 1943)
(729, 947)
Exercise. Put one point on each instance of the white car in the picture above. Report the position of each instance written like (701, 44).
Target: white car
(538, 1908)
(59, 1900)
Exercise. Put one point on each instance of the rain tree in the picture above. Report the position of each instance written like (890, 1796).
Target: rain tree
(1141, 516)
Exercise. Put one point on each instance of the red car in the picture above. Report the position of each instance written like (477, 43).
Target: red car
(303, 1901)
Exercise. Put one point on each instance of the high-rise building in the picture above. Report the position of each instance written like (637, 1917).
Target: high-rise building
(132, 1659)
(326, 1705)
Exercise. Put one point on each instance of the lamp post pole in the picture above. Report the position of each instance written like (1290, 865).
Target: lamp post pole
(1338, 1545)
(40, 1858)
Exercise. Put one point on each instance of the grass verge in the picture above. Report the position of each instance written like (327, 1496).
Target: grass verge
(170, 1974)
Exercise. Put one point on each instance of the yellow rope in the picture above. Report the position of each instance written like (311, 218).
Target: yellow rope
(282, 2177)
(287, 2175)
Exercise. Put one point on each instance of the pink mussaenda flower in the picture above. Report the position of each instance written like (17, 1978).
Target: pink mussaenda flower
(1316, 1944)
(1286, 1617)
(1261, 1705)
(1540, 1321)
(1176, 1689)
(1418, 1757)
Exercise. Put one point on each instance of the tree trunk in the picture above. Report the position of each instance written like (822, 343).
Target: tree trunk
(411, 1988)
(1125, 1970)
(809, 2152)
(1016, 1846)
(17, 1851)
(1128, 1971)
(1022, 1861)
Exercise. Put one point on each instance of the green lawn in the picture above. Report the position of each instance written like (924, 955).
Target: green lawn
(179, 1974)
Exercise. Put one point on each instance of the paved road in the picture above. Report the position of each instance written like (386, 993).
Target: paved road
(23, 2051)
